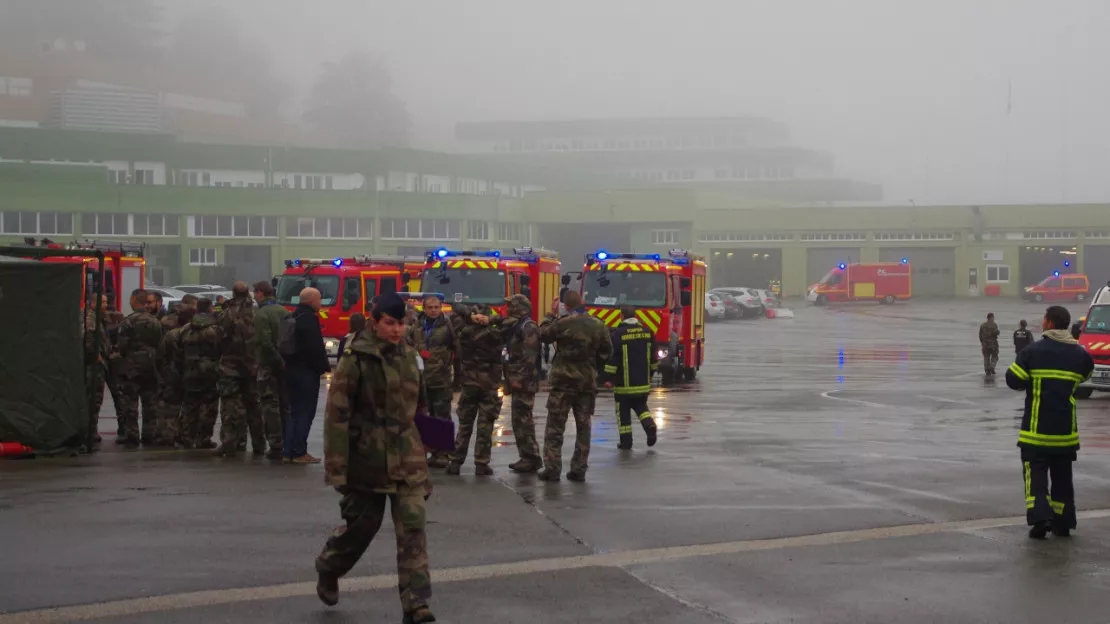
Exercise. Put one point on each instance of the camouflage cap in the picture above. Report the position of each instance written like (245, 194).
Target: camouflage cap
(519, 304)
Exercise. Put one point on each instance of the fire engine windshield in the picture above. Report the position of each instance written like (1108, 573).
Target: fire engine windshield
(290, 286)
(1098, 320)
(832, 278)
(1048, 281)
(466, 285)
(617, 288)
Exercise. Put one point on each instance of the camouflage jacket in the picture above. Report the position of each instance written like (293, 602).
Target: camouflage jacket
(266, 320)
(139, 337)
(169, 322)
(481, 347)
(169, 358)
(238, 348)
(371, 442)
(199, 357)
(582, 344)
(440, 350)
(90, 329)
(524, 346)
(988, 335)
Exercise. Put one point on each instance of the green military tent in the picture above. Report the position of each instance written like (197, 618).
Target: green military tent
(42, 377)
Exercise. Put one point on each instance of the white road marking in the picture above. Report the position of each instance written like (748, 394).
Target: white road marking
(940, 400)
(828, 395)
(921, 493)
(172, 602)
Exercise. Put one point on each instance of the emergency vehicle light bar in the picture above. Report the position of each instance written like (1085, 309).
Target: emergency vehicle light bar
(125, 248)
(440, 254)
(536, 253)
(602, 256)
(421, 295)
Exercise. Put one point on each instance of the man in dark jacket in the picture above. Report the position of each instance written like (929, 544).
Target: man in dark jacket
(302, 377)
(1049, 372)
(1023, 336)
(629, 373)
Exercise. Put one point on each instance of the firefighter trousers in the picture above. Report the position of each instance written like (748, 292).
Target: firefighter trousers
(1053, 503)
(627, 405)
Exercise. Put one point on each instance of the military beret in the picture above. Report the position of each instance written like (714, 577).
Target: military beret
(391, 305)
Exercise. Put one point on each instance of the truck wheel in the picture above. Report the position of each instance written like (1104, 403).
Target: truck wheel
(1038, 297)
(1084, 393)
(666, 377)
(1080, 297)
(822, 300)
(889, 299)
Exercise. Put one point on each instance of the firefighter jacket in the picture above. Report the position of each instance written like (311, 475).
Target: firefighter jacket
(633, 360)
(1049, 371)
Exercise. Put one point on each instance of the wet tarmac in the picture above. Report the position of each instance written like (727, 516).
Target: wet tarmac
(848, 465)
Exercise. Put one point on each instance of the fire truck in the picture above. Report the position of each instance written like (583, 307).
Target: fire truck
(668, 293)
(124, 267)
(487, 277)
(885, 282)
(346, 285)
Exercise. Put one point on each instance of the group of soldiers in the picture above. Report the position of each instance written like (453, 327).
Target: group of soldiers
(183, 368)
(988, 341)
(373, 446)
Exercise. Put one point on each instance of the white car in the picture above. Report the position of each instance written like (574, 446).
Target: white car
(766, 297)
(749, 301)
(193, 289)
(714, 307)
(170, 296)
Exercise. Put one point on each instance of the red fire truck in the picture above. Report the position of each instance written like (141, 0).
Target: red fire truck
(668, 294)
(487, 277)
(345, 285)
(877, 281)
(124, 268)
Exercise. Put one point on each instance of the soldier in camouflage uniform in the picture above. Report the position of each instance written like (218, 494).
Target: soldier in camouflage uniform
(170, 320)
(238, 375)
(481, 341)
(988, 340)
(200, 372)
(139, 337)
(373, 455)
(434, 337)
(171, 394)
(273, 403)
(524, 380)
(582, 343)
(96, 361)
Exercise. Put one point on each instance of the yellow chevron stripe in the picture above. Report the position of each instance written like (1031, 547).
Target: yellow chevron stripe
(634, 267)
(470, 264)
(655, 316)
(646, 320)
(614, 319)
(437, 265)
(592, 311)
(1094, 346)
(323, 314)
(595, 266)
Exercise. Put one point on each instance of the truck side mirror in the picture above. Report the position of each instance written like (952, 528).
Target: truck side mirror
(405, 276)
(686, 298)
(566, 279)
(274, 281)
(525, 280)
(685, 283)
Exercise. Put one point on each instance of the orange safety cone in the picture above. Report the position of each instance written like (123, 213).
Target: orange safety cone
(14, 449)
(770, 313)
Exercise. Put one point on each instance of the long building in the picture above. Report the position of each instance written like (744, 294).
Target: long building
(212, 213)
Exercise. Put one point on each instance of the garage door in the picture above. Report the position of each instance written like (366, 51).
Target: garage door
(1096, 264)
(819, 260)
(933, 269)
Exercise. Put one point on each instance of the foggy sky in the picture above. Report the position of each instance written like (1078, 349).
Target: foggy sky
(907, 93)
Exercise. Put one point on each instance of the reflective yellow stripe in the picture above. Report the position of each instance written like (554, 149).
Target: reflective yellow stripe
(1044, 439)
(1046, 373)
(437, 265)
(1019, 372)
(646, 320)
(631, 389)
(1035, 411)
(1094, 346)
(1028, 474)
(323, 314)
(634, 267)
(609, 368)
(624, 429)
(645, 416)
(624, 362)
(655, 316)
(1056, 507)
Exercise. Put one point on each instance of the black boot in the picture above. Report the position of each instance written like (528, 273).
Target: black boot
(1038, 531)
(327, 588)
(419, 615)
(651, 437)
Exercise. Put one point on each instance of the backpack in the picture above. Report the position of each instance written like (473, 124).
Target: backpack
(287, 336)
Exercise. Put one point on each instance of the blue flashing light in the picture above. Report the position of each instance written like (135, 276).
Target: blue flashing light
(1056, 274)
(655, 257)
(338, 262)
(297, 262)
(602, 255)
(681, 261)
(496, 253)
(288, 264)
(442, 253)
(905, 260)
(843, 266)
(1067, 263)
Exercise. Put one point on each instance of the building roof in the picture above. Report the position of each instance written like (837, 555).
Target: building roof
(502, 130)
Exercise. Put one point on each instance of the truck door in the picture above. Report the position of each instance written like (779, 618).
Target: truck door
(388, 285)
(369, 288)
(351, 297)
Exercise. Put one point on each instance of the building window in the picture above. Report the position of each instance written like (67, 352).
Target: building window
(834, 236)
(477, 230)
(510, 232)
(142, 176)
(12, 222)
(998, 274)
(15, 86)
(113, 224)
(1097, 234)
(154, 225)
(737, 237)
(238, 227)
(118, 176)
(202, 256)
(1048, 235)
(914, 236)
(664, 237)
(328, 227)
(420, 229)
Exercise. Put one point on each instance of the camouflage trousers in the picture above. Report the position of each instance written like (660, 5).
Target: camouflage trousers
(170, 398)
(363, 513)
(524, 426)
(94, 392)
(273, 404)
(199, 412)
(439, 406)
(990, 358)
(133, 391)
(483, 406)
(560, 402)
(239, 409)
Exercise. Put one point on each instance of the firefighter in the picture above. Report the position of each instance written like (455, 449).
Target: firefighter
(1049, 371)
(629, 372)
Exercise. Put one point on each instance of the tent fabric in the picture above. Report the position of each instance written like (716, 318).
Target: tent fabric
(42, 376)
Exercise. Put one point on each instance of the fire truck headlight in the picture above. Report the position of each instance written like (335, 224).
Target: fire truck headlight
(662, 353)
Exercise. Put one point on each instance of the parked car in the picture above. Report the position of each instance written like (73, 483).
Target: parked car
(714, 307)
(193, 289)
(170, 296)
(748, 300)
(766, 297)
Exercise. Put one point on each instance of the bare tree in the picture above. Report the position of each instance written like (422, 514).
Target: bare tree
(353, 103)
